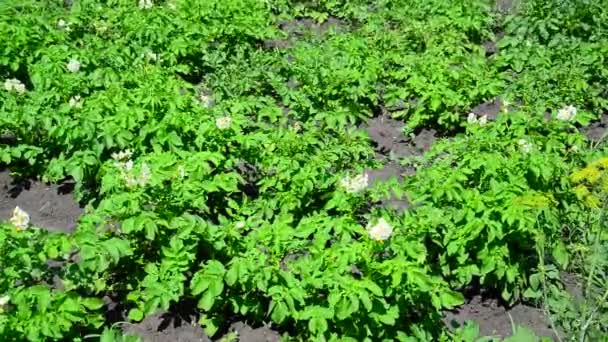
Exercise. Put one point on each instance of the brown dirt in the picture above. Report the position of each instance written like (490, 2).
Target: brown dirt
(49, 206)
(164, 327)
(387, 136)
(491, 109)
(495, 320)
(597, 130)
(391, 145)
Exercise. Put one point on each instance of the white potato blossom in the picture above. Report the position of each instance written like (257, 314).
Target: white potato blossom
(128, 166)
(525, 145)
(4, 300)
(145, 4)
(152, 56)
(73, 65)
(380, 231)
(122, 155)
(145, 175)
(240, 225)
(20, 218)
(355, 184)
(182, 171)
(205, 100)
(75, 102)
(15, 85)
(224, 122)
(483, 120)
(473, 119)
(127, 171)
(567, 113)
(64, 25)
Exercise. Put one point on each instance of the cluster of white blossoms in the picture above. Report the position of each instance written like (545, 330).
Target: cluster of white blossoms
(205, 100)
(75, 102)
(15, 85)
(525, 145)
(73, 65)
(567, 113)
(182, 171)
(145, 4)
(20, 219)
(353, 185)
(380, 231)
(151, 56)
(224, 122)
(473, 119)
(64, 26)
(125, 164)
(3, 301)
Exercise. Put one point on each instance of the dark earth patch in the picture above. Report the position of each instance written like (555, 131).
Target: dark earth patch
(491, 109)
(597, 130)
(391, 145)
(162, 327)
(49, 206)
(387, 136)
(496, 320)
(246, 333)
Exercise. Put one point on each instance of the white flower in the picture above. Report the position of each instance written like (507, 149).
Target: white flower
(240, 225)
(505, 106)
(205, 100)
(128, 166)
(182, 171)
(567, 113)
(152, 56)
(525, 146)
(75, 102)
(296, 127)
(145, 4)
(4, 300)
(472, 118)
(73, 65)
(20, 218)
(483, 120)
(355, 184)
(101, 27)
(122, 155)
(223, 122)
(381, 231)
(144, 176)
(15, 85)
(130, 181)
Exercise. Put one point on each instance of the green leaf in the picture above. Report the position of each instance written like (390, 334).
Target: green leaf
(136, 315)
(560, 253)
(92, 303)
(207, 300)
(317, 325)
(450, 299)
(522, 334)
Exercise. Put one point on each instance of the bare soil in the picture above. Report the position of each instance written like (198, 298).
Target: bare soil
(497, 321)
(49, 206)
(597, 130)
